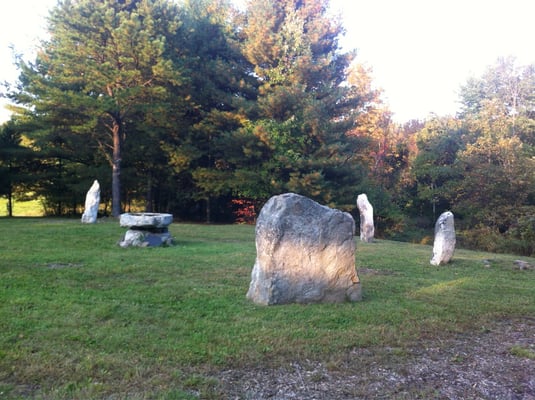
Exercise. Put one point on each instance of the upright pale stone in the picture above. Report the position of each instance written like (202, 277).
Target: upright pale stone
(367, 230)
(92, 200)
(305, 253)
(444, 244)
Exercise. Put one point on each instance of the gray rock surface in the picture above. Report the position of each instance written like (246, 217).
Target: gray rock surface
(367, 229)
(145, 238)
(305, 253)
(523, 265)
(444, 244)
(92, 201)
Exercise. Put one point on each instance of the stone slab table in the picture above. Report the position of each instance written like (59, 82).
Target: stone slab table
(146, 229)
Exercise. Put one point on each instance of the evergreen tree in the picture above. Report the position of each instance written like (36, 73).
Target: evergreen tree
(221, 89)
(305, 106)
(15, 163)
(106, 64)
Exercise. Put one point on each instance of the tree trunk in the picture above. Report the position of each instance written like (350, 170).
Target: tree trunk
(10, 202)
(116, 170)
(208, 210)
(149, 200)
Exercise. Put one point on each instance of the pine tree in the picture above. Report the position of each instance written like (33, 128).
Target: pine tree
(107, 63)
(305, 108)
(15, 161)
(220, 89)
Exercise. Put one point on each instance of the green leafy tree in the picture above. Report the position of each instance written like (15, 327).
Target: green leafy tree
(497, 163)
(502, 101)
(498, 177)
(433, 167)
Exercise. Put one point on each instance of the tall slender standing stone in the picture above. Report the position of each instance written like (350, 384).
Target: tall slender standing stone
(444, 244)
(367, 230)
(92, 200)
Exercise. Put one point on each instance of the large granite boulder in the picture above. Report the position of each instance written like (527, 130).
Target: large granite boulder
(444, 244)
(367, 229)
(92, 201)
(305, 253)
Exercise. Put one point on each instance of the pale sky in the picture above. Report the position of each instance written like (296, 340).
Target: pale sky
(420, 51)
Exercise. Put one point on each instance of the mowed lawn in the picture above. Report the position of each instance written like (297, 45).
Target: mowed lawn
(82, 318)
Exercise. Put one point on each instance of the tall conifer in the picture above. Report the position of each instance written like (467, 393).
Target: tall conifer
(305, 108)
(105, 62)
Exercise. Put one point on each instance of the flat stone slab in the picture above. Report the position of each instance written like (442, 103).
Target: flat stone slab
(145, 220)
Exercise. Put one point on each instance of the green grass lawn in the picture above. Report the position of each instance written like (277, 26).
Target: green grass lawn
(82, 318)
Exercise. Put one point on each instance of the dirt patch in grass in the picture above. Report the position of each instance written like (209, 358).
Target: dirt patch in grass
(496, 362)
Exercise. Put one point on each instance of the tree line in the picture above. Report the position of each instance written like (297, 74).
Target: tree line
(481, 164)
(204, 110)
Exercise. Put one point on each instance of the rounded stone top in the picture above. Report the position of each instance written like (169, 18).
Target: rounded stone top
(145, 220)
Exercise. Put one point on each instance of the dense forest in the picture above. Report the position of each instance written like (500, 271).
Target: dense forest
(205, 111)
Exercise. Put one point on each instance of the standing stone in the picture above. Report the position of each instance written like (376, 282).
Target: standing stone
(444, 244)
(92, 200)
(367, 229)
(305, 253)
